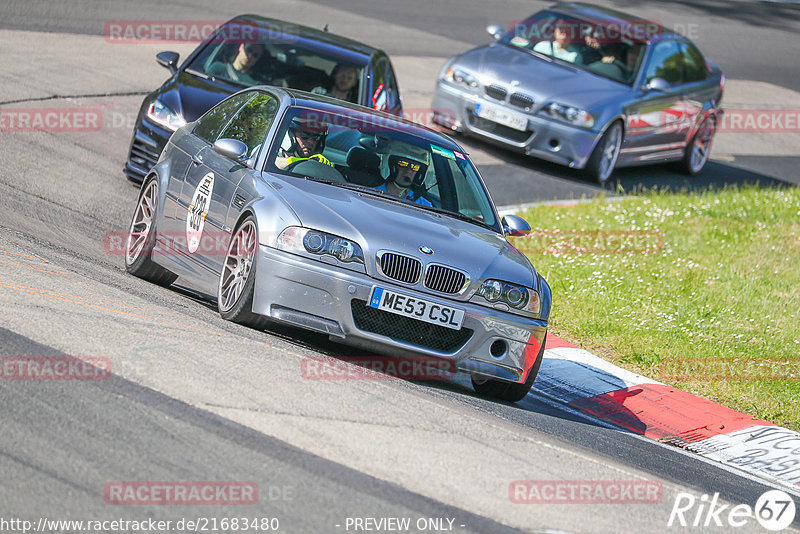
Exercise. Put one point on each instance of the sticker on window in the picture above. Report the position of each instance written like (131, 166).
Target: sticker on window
(443, 152)
(459, 155)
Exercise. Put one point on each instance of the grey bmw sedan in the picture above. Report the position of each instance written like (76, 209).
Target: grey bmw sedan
(301, 209)
(586, 87)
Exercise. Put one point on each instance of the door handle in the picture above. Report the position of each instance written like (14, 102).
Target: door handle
(197, 159)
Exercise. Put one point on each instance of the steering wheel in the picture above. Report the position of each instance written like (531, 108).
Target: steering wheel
(312, 167)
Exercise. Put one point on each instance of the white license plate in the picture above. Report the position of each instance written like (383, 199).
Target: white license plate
(415, 308)
(502, 116)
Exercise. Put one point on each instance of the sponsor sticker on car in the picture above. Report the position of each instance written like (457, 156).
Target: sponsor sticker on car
(422, 310)
(500, 115)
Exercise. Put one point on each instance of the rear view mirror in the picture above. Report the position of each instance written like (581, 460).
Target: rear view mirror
(168, 60)
(657, 84)
(514, 226)
(231, 148)
(495, 30)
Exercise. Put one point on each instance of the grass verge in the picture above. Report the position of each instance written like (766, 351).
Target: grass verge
(697, 290)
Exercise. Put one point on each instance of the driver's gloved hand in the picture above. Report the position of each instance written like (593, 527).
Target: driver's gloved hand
(316, 157)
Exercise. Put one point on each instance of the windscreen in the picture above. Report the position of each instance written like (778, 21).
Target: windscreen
(258, 57)
(613, 49)
(379, 156)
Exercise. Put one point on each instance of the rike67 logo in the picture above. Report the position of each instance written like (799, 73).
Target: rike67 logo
(774, 510)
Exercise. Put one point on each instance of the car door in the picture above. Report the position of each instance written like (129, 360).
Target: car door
(698, 92)
(657, 119)
(211, 183)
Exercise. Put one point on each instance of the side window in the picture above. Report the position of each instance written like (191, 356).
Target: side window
(693, 63)
(210, 125)
(393, 93)
(252, 122)
(666, 62)
(378, 96)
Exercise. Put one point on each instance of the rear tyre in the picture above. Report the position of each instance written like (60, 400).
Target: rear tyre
(510, 391)
(601, 163)
(142, 237)
(237, 280)
(699, 148)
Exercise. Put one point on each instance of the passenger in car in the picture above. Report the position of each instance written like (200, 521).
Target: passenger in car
(562, 46)
(344, 85)
(406, 174)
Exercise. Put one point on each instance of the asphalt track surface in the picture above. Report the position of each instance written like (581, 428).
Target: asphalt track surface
(194, 398)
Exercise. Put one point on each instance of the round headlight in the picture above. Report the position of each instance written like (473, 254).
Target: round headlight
(493, 292)
(515, 297)
(314, 242)
(342, 249)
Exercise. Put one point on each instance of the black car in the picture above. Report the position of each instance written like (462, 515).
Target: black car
(251, 50)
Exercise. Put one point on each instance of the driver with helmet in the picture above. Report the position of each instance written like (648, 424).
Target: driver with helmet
(407, 167)
(305, 140)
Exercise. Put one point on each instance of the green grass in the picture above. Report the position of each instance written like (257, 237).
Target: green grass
(715, 312)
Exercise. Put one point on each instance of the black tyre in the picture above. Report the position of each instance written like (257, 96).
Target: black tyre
(510, 391)
(237, 280)
(142, 237)
(601, 163)
(699, 148)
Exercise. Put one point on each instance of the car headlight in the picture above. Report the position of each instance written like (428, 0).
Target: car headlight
(299, 239)
(576, 116)
(516, 297)
(455, 75)
(159, 113)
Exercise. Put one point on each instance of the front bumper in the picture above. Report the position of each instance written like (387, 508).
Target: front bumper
(320, 296)
(544, 138)
(147, 144)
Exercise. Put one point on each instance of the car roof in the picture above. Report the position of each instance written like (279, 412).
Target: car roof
(334, 105)
(655, 31)
(307, 36)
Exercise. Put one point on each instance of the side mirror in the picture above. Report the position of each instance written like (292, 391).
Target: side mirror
(657, 84)
(495, 30)
(514, 226)
(168, 60)
(231, 148)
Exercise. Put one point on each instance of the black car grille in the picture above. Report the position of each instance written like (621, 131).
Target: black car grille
(407, 330)
(511, 134)
(143, 154)
(495, 91)
(521, 100)
(444, 279)
(401, 268)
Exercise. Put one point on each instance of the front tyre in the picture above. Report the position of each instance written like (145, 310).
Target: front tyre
(237, 280)
(142, 238)
(699, 148)
(510, 391)
(604, 156)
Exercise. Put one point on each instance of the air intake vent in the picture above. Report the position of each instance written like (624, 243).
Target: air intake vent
(401, 268)
(521, 100)
(444, 279)
(495, 91)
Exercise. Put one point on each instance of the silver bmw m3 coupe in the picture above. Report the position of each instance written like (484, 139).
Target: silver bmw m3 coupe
(586, 87)
(302, 209)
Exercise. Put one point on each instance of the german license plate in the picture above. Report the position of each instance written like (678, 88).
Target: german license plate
(502, 116)
(422, 310)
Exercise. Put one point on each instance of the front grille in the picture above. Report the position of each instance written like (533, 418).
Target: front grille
(521, 100)
(401, 268)
(495, 91)
(143, 154)
(407, 330)
(511, 134)
(444, 279)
